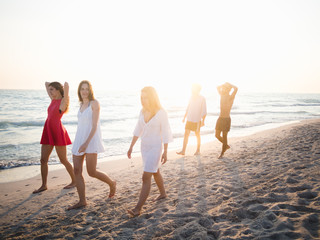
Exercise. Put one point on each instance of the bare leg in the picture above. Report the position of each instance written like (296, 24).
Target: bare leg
(62, 154)
(198, 143)
(91, 161)
(225, 145)
(185, 142)
(145, 190)
(45, 154)
(159, 181)
(218, 136)
(78, 166)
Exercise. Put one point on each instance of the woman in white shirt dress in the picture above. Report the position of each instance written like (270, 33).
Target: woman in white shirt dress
(154, 130)
(88, 143)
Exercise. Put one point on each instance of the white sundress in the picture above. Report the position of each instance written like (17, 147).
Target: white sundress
(153, 135)
(83, 131)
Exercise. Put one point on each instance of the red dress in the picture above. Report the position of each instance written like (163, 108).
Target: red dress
(54, 132)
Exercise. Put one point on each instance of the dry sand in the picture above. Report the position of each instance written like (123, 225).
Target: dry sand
(266, 187)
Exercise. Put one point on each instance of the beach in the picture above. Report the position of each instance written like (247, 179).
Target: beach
(267, 186)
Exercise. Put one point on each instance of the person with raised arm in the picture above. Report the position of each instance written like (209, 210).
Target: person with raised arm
(227, 94)
(54, 134)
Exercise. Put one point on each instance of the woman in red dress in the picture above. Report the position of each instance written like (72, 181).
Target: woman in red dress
(54, 134)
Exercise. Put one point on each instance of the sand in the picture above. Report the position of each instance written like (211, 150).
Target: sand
(266, 187)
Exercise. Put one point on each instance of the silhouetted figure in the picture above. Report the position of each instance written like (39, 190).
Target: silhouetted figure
(196, 113)
(224, 121)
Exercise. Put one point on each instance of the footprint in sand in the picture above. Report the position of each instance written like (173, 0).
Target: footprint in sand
(266, 224)
(291, 180)
(308, 195)
(311, 223)
(164, 210)
(271, 216)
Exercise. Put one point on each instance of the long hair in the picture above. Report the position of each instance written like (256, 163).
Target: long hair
(153, 99)
(58, 86)
(91, 96)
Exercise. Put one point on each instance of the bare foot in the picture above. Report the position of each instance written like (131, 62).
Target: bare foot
(181, 153)
(160, 197)
(77, 206)
(222, 153)
(197, 153)
(71, 185)
(134, 213)
(113, 190)
(41, 189)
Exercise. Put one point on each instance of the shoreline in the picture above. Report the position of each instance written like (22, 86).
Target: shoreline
(267, 186)
(26, 172)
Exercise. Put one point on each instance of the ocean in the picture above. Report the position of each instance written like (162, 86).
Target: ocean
(23, 113)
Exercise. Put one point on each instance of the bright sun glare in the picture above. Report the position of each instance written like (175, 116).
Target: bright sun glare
(167, 44)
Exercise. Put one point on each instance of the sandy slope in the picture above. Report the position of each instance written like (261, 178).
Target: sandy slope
(266, 187)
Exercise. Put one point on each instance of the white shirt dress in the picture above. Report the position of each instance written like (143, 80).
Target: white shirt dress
(153, 135)
(83, 131)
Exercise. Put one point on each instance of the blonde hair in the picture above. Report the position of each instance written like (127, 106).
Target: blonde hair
(153, 99)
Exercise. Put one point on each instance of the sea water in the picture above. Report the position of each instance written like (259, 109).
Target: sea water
(23, 114)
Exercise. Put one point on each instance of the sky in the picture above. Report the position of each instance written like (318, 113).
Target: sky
(259, 46)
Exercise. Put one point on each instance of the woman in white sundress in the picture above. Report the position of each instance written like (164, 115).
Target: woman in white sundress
(88, 143)
(154, 129)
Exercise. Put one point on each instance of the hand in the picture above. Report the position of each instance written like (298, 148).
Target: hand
(66, 86)
(164, 157)
(83, 148)
(129, 153)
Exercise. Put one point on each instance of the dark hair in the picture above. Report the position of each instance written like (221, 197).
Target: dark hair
(58, 86)
(91, 96)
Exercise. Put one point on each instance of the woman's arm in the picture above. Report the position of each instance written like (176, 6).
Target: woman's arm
(47, 88)
(164, 157)
(65, 100)
(133, 142)
(95, 117)
(166, 136)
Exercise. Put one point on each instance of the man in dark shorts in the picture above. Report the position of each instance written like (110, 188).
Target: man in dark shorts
(224, 121)
(195, 114)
